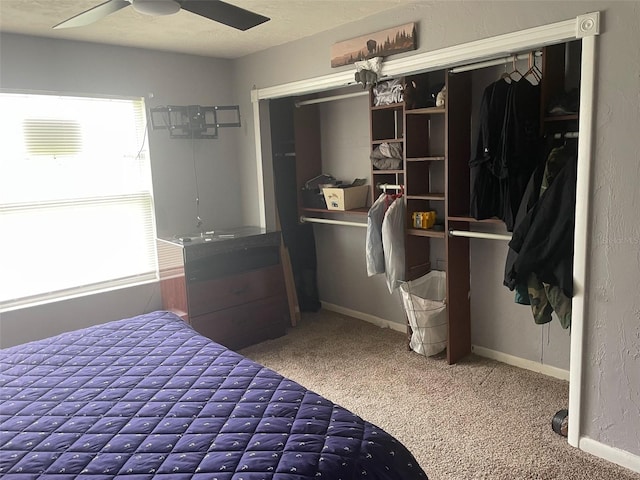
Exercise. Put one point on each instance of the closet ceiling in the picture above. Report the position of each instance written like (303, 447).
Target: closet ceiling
(186, 32)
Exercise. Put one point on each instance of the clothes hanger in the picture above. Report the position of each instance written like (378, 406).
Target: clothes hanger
(391, 197)
(533, 69)
(515, 69)
(565, 139)
(398, 194)
(505, 75)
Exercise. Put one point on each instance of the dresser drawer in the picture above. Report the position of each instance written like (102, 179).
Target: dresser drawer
(217, 294)
(245, 324)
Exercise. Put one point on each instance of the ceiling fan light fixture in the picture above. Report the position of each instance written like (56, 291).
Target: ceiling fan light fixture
(216, 10)
(156, 8)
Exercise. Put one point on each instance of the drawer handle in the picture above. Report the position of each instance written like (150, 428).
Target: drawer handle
(239, 291)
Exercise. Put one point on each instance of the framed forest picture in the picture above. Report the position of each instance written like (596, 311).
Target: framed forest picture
(379, 44)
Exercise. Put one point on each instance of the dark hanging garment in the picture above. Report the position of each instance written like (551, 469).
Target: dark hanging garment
(520, 145)
(485, 193)
(543, 236)
(485, 185)
(507, 150)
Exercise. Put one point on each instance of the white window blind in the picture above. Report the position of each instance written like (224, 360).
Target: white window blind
(76, 206)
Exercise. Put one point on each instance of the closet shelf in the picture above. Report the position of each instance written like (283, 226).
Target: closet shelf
(465, 218)
(391, 106)
(356, 211)
(386, 172)
(436, 147)
(425, 233)
(387, 140)
(561, 118)
(425, 159)
(427, 196)
(425, 111)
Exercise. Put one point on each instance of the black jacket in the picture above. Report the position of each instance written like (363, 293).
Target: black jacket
(543, 235)
(507, 150)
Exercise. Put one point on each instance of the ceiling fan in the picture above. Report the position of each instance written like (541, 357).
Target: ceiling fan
(215, 10)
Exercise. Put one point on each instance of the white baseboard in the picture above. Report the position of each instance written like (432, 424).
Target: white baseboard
(611, 454)
(521, 362)
(481, 351)
(380, 322)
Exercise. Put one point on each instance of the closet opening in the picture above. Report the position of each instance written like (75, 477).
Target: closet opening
(554, 36)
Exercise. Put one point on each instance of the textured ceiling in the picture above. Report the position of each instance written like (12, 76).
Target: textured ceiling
(186, 32)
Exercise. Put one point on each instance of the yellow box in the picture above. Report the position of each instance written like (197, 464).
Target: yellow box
(424, 220)
(346, 198)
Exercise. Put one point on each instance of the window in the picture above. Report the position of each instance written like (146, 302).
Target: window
(76, 206)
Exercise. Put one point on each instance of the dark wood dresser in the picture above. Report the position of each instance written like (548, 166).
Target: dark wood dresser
(228, 287)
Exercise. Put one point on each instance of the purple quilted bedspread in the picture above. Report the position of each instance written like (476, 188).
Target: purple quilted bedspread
(149, 397)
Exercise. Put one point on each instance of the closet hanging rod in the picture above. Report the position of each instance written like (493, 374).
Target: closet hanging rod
(328, 221)
(331, 98)
(488, 236)
(491, 63)
(387, 186)
(566, 135)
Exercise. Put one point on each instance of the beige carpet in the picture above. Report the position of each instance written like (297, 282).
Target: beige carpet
(478, 419)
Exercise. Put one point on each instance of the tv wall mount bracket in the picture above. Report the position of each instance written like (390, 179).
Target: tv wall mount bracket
(194, 121)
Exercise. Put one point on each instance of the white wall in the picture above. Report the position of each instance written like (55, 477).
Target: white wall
(611, 410)
(36, 64)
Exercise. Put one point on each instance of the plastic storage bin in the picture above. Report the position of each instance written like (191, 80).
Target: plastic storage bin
(424, 300)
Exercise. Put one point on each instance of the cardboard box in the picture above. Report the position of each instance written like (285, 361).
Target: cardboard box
(346, 198)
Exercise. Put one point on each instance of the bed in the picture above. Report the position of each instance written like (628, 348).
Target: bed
(150, 398)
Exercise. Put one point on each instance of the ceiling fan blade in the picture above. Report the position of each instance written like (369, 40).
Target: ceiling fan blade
(226, 13)
(94, 14)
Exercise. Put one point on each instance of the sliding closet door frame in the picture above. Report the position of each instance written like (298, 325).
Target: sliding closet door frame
(581, 240)
(585, 27)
